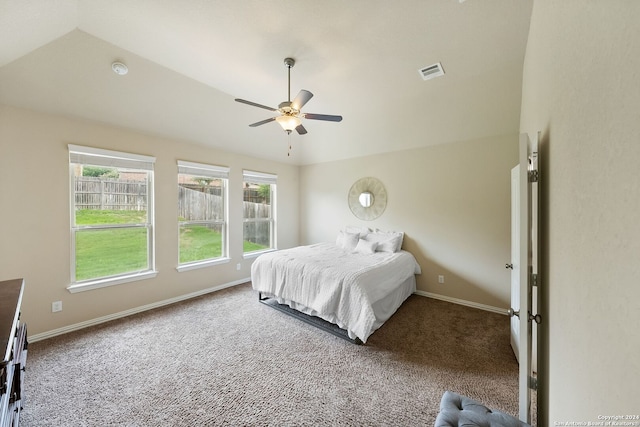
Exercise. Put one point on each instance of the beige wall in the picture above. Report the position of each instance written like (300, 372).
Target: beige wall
(581, 89)
(451, 200)
(34, 193)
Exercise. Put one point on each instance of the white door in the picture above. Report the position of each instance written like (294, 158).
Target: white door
(524, 265)
(514, 264)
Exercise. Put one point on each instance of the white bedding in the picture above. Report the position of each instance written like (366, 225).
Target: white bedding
(336, 284)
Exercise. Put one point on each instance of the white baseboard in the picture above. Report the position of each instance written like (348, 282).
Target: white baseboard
(107, 318)
(462, 302)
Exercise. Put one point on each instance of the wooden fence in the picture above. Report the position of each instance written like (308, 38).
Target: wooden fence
(256, 210)
(257, 231)
(110, 193)
(194, 204)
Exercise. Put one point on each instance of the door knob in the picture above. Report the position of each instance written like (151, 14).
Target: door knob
(508, 266)
(511, 312)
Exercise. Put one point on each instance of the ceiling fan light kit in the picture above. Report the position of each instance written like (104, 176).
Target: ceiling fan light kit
(289, 123)
(290, 117)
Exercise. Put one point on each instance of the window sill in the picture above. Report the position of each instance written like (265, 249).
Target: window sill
(250, 255)
(202, 264)
(103, 283)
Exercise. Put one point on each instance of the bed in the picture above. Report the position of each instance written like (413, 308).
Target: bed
(356, 283)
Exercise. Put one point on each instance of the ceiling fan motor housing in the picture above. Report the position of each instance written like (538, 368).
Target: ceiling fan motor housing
(286, 108)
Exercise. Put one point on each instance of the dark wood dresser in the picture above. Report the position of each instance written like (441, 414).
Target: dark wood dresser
(13, 345)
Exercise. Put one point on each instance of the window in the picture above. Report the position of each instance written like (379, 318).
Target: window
(111, 217)
(259, 219)
(202, 214)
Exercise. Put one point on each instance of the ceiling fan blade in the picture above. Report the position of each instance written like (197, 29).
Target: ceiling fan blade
(302, 98)
(326, 117)
(262, 122)
(255, 105)
(301, 130)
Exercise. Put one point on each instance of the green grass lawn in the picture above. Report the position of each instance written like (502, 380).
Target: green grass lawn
(100, 217)
(251, 247)
(108, 252)
(102, 253)
(198, 243)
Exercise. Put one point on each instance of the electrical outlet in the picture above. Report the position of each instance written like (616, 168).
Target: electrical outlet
(56, 306)
(440, 278)
(238, 266)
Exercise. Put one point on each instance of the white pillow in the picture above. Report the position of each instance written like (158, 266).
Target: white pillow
(366, 246)
(363, 231)
(399, 236)
(396, 238)
(391, 244)
(347, 241)
(376, 237)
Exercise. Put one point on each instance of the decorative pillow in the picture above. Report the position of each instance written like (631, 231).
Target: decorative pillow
(363, 231)
(366, 246)
(376, 237)
(400, 236)
(347, 241)
(395, 237)
(390, 244)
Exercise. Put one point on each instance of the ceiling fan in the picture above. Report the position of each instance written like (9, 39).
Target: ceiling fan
(290, 114)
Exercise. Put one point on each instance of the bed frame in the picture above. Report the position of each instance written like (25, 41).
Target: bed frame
(311, 320)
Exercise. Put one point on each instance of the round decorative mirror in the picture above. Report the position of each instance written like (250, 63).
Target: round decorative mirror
(367, 198)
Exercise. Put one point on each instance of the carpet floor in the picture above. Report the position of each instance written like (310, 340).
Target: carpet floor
(225, 359)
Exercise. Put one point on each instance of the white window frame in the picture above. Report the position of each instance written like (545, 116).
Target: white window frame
(262, 178)
(108, 158)
(210, 171)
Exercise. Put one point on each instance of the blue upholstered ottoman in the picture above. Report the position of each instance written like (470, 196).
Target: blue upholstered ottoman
(458, 411)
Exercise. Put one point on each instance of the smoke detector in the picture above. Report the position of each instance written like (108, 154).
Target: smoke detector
(432, 71)
(119, 68)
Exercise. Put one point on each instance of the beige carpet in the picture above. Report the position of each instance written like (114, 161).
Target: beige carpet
(226, 359)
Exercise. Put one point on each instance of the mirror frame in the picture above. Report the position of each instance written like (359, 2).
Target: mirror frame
(379, 196)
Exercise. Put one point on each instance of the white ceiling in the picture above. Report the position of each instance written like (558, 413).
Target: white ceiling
(188, 60)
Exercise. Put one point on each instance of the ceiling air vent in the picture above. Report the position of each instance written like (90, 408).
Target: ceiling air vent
(431, 71)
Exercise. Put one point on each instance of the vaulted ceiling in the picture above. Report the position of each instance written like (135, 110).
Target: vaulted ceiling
(188, 60)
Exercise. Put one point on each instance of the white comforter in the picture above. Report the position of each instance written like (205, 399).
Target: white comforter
(335, 284)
